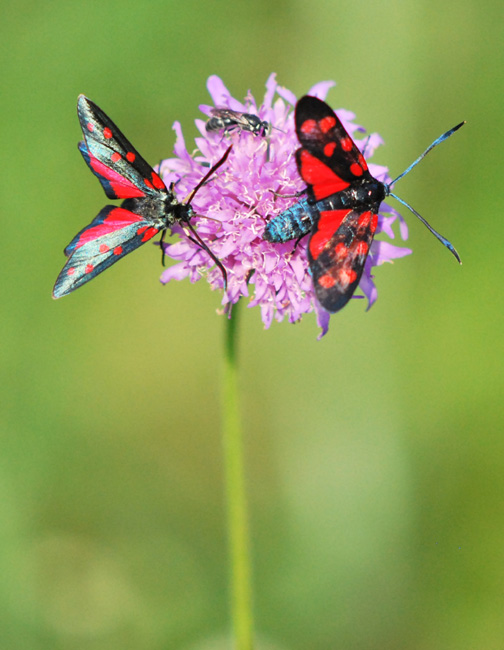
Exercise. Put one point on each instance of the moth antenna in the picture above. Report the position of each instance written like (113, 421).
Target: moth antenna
(442, 239)
(289, 196)
(429, 148)
(197, 240)
(363, 150)
(211, 171)
(204, 216)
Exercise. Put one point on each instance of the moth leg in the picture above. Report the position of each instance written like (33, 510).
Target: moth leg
(161, 244)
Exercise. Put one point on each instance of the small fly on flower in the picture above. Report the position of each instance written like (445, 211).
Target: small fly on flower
(224, 119)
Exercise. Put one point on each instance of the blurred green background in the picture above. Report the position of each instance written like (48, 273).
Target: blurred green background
(375, 458)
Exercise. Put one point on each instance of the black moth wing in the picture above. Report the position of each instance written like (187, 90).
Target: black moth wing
(112, 234)
(337, 267)
(112, 157)
(322, 136)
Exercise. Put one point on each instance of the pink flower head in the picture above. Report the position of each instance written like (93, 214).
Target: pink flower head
(255, 184)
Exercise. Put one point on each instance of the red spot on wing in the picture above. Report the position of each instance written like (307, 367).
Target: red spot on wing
(328, 224)
(347, 276)
(363, 162)
(107, 133)
(71, 271)
(316, 173)
(308, 126)
(327, 281)
(142, 229)
(360, 248)
(90, 126)
(368, 220)
(356, 169)
(341, 250)
(123, 188)
(89, 268)
(115, 157)
(149, 233)
(104, 248)
(130, 156)
(118, 250)
(116, 219)
(157, 182)
(329, 149)
(148, 183)
(346, 144)
(364, 219)
(327, 123)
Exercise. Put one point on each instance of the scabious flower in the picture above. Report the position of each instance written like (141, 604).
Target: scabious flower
(256, 183)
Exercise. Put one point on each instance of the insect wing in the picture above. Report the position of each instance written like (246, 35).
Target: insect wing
(112, 234)
(337, 252)
(328, 159)
(119, 167)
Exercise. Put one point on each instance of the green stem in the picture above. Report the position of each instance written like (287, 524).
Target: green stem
(240, 564)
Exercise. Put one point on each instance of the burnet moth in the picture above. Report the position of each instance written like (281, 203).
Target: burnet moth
(149, 207)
